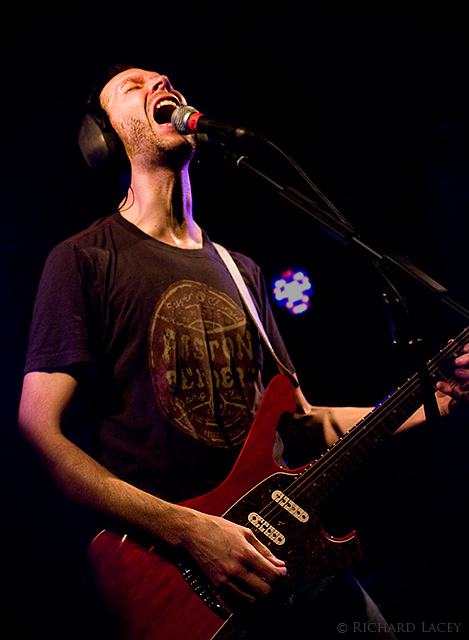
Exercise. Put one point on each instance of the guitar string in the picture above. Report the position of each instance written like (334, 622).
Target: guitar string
(386, 407)
(313, 473)
(300, 484)
(357, 434)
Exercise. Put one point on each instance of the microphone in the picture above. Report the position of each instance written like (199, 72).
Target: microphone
(187, 120)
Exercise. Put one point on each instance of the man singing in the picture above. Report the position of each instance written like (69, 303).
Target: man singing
(138, 319)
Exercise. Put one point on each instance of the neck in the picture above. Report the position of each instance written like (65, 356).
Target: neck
(160, 205)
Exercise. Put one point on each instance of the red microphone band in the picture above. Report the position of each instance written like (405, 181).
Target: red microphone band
(192, 121)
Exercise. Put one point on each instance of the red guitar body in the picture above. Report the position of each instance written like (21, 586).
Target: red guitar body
(145, 587)
(160, 594)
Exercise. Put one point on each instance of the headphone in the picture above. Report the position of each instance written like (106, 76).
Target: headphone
(99, 144)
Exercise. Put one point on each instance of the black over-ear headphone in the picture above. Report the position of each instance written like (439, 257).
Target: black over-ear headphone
(99, 144)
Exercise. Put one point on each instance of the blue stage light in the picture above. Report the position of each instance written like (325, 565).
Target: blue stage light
(293, 290)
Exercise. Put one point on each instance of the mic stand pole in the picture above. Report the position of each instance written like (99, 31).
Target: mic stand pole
(389, 262)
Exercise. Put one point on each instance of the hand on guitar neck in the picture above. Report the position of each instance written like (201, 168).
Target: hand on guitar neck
(453, 395)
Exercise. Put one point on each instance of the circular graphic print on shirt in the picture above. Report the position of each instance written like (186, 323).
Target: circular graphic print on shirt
(201, 363)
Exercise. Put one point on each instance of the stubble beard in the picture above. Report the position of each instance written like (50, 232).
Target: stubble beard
(147, 147)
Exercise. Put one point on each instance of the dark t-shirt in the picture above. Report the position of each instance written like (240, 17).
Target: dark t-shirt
(176, 362)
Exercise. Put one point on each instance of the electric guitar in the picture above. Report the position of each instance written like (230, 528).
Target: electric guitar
(159, 593)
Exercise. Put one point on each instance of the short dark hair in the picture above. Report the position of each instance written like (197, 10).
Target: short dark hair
(93, 102)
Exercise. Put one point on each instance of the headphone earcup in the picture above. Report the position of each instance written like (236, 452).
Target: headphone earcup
(100, 145)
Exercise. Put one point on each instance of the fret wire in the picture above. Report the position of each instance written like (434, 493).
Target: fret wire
(335, 455)
(313, 474)
(397, 398)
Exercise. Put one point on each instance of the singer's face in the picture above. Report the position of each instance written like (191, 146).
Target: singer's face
(139, 105)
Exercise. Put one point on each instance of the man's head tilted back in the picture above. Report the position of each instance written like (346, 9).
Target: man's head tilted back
(139, 105)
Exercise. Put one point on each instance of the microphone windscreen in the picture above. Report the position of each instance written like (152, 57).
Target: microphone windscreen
(179, 118)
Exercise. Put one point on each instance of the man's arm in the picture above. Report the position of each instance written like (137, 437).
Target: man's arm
(327, 424)
(229, 554)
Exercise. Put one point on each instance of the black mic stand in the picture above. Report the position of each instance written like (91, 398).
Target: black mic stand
(386, 263)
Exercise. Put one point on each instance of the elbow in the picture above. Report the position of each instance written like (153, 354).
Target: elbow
(25, 424)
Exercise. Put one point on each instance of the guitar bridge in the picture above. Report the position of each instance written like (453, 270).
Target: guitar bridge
(203, 588)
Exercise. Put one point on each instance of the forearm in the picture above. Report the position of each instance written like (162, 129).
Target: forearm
(418, 418)
(326, 423)
(43, 402)
(335, 421)
(228, 553)
(332, 422)
(86, 482)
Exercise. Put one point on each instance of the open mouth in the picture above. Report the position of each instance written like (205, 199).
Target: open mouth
(164, 109)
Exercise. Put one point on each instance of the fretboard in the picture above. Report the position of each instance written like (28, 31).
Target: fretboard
(320, 478)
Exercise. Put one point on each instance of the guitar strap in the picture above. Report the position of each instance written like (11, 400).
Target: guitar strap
(250, 306)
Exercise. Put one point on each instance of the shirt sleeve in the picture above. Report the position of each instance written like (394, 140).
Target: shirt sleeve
(60, 333)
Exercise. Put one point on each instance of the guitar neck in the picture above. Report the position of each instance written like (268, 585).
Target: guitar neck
(320, 478)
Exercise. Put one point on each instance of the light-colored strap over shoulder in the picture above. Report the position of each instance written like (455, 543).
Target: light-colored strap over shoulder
(251, 307)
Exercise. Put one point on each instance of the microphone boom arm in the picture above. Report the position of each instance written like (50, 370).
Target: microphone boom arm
(347, 235)
(340, 229)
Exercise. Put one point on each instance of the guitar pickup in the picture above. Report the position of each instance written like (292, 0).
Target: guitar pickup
(290, 506)
(266, 528)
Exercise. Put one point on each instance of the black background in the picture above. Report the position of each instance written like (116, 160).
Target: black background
(373, 106)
